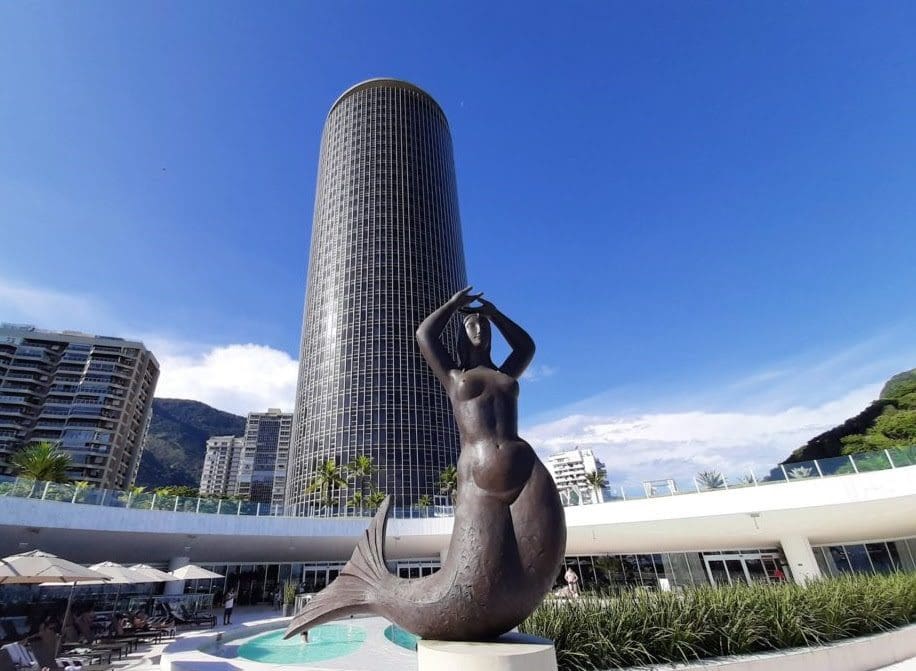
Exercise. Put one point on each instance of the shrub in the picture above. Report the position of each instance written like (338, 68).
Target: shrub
(600, 631)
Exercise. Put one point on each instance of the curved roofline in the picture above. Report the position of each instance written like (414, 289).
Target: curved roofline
(399, 83)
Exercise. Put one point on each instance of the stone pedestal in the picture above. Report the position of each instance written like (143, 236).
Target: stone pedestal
(512, 652)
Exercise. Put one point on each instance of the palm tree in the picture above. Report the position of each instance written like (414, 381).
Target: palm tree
(448, 482)
(42, 461)
(357, 500)
(375, 499)
(598, 481)
(710, 479)
(81, 486)
(361, 466)
(327, 479)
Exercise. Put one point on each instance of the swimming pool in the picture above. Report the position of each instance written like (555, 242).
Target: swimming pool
(327, 641)
(401, 637)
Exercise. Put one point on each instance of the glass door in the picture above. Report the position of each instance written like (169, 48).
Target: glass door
(718, 574)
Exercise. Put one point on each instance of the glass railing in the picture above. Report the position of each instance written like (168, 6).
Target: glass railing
(706, 481)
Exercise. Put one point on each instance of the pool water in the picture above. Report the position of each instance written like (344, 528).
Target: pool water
(327, 641)
(401, 637)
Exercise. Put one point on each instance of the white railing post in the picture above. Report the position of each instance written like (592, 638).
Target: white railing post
(889, 460)
(152, 503)
(820, 473)
(696, 485)
(175, 509)
(783, 469)
(44, 493)
(130, 495)
(238, 510)
(853, 462)
(219, 506)
(754, 478)
(197, 509)
(257, 511)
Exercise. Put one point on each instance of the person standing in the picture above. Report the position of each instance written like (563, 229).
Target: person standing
(572, 583)
(228, 604)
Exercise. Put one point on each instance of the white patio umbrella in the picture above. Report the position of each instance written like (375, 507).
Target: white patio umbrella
(120, 575)
(36, 567)
(193, 572)
(153, 574)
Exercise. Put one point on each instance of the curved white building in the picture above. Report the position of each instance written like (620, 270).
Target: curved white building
(790, 529)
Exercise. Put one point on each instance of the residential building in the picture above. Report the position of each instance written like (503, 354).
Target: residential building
(220, 476)
(570, 470)
(386, 251)
(92, 395)
(264, 458)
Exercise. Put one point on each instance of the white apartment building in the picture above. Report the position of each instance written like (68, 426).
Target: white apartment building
(91, 395)
(570, 470)
(220, 476)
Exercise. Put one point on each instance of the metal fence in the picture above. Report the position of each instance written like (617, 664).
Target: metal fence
(706, 481)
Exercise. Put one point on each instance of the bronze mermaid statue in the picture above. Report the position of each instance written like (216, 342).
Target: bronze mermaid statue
(509, 534)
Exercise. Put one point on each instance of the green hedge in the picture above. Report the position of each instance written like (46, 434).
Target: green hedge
(643, 628)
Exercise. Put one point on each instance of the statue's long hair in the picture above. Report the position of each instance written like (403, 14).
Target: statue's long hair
(465, 346)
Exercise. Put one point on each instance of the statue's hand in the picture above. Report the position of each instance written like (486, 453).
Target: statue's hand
(464, 297)
(486, 308)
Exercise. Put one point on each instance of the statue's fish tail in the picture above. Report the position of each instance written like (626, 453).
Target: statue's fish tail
(358, 584)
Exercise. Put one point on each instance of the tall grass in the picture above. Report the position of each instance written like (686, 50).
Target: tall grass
(641, 628)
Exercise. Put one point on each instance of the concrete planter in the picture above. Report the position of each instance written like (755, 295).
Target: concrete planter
(856, 654)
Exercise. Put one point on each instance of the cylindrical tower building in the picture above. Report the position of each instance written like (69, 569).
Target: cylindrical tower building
(386, 251)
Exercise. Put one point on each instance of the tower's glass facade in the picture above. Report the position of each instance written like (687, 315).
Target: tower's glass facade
(386, 251)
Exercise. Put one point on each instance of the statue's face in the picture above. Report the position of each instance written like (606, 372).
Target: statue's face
(478, 330)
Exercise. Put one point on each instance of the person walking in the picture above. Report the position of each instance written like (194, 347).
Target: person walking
(228, 603)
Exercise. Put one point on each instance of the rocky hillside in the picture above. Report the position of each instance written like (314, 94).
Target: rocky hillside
(890, 421)
(176, 442)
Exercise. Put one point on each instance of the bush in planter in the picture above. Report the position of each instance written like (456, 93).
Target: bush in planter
(289, 597)
(600, 631)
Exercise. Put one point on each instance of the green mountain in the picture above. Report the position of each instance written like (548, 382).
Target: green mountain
(177, 441)
(890, 421)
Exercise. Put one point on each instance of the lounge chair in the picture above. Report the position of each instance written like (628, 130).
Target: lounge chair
(17, 656)
(181, 616)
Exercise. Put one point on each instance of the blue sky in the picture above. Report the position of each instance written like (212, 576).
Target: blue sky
(703, 212)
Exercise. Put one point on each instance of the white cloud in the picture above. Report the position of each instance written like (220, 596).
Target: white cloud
(679, 444)
(536, 372)
(235, 378)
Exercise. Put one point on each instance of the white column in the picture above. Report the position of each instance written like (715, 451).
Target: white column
(800, 558)
(176, 586)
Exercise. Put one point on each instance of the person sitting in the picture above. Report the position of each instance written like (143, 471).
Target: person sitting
(84, 623)
(138, 621)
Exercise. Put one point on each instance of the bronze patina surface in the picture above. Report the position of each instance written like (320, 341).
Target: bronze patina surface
(509, 535)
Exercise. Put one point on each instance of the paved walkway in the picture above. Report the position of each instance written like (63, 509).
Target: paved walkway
(908, 665)
(146, 657)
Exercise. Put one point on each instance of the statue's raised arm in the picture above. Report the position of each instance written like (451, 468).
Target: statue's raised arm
(430, 331)
(521, 343)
